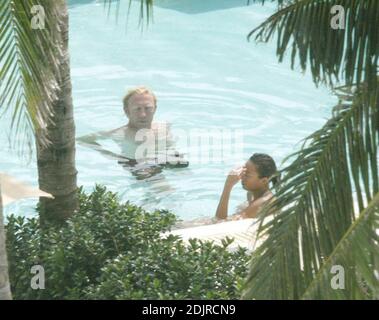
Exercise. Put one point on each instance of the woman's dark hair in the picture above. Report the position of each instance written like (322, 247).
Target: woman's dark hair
(266, 167)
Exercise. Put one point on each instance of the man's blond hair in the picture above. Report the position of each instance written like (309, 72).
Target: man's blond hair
(138, 90)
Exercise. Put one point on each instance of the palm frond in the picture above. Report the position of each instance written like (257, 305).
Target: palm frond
(358, 254)
(145, 12)
(304, 28)
(28, 69)
(315, 205)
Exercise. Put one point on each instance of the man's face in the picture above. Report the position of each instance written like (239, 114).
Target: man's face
(250, 180)
(140, 111)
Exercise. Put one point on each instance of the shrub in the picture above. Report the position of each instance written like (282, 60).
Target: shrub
(168, 269)
(111, 250)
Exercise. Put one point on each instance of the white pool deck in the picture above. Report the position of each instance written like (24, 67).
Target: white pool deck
(243, 232)
(13, 190)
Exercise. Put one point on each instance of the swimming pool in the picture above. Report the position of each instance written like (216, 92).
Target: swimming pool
(206, 76)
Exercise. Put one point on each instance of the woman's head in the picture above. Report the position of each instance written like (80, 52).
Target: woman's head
(259, 171)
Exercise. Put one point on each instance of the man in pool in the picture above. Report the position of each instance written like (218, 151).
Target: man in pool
(141, 139)
(255, 177)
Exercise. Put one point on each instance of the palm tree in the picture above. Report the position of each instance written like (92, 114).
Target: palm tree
(37, 94)
(327, 208)
(35, 89)
(5, 291)
(27, 85)
(56, 161)
(38, 90)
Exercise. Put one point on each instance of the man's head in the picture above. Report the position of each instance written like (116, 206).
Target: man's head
(140, 105)
(260, 169)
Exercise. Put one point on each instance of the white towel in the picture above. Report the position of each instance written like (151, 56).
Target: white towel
(243, 231)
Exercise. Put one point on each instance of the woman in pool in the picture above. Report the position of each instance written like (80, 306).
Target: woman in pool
(255, 177)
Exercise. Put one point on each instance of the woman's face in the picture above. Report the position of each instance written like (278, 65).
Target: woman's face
(250, 179)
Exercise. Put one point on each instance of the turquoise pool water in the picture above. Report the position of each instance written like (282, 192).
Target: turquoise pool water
(206, 76)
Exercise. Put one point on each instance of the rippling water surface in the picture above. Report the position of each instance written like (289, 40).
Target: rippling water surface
(206, 76)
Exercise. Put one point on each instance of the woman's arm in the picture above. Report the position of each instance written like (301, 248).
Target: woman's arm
(232, 179)
(222, 208)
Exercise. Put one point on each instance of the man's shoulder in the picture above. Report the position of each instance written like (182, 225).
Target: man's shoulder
(120, 129)
(118, 132)
(108, 133)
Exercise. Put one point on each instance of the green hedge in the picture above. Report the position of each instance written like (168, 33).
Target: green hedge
(113, 250)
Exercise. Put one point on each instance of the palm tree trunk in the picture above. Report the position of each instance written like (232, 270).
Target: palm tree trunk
(56, 162)
(5, 291)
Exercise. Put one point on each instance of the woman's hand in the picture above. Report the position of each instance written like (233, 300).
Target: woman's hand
(235, 176)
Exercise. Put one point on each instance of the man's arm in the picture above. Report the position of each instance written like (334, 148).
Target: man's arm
(90, 141)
